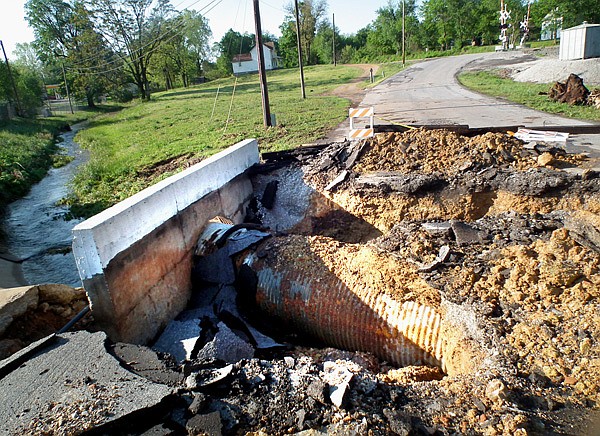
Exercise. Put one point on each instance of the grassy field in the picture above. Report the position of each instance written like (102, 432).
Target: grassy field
(528, 94)
(27, 150)
(147, 142)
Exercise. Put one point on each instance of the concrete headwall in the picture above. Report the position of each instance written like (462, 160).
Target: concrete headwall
(135, 258)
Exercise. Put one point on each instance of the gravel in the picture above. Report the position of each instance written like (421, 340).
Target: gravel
(550, 69)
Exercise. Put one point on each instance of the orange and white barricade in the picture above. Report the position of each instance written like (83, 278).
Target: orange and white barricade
(367, 132)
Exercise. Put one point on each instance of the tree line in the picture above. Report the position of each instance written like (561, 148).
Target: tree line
(128, 48)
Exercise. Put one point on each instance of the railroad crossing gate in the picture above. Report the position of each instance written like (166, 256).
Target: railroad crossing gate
(366, 132)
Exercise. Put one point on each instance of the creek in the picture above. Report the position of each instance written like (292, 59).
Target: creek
(36, 229)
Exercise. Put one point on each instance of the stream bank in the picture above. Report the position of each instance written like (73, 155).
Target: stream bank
(36, 236)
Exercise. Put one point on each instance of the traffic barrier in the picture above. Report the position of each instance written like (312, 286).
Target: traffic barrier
(362, 113)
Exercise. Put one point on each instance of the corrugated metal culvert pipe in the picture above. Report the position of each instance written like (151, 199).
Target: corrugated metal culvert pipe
(349, 297)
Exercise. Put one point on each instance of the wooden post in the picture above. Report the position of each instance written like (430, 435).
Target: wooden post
(334, 57)
(12, 79)
(302, 86)
(67, 87)
(403, 35)
(261, 67)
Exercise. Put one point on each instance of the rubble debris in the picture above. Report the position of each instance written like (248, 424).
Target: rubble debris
(216, 265)
(338, 377)
(205, 424)
(226, 346)
(71, 386)
(594, 98)
(439, 260)
(207, 377)
(441, 229)
(179, 339)
(539, 135)
(465, 234)
(572, 91)
(341, 178)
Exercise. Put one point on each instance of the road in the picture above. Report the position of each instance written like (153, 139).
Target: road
(429, 93)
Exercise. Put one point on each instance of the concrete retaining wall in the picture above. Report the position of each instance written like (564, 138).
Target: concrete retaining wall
(135, 258)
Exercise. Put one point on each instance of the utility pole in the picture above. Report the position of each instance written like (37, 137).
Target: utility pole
(12, 79)
(334, 59)
(302, 86)
(403, 35)
(261, 68)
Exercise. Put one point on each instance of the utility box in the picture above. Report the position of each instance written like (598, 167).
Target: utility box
(580, 42)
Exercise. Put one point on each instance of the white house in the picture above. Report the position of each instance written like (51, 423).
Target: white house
(248, 62)
(551, 26)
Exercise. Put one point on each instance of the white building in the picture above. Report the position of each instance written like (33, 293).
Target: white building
(551, 26)
(248, 62)
(580, 42)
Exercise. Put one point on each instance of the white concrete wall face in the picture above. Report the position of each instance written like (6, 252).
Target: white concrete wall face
(99, 239)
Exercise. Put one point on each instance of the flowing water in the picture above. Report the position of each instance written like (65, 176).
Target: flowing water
(35, 227)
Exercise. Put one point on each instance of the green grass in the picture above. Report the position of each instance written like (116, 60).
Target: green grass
(180, 124)
(528, 94)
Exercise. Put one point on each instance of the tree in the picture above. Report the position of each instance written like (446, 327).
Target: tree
(28, 83)
(196, 34)
(385, 36)
(573, 12)
(135, 29)
(231, 44)
(288, 46)
(92, 66)
(53, 26)
(450, 23)
(310, 14)
(323, 43)
(26, 55)
(65, 35)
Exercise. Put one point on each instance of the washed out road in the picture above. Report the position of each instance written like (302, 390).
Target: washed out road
(429, 93)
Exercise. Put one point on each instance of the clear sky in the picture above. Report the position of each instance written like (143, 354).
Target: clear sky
(350, 16)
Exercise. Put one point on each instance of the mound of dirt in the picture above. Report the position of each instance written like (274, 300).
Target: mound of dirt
(572, 92)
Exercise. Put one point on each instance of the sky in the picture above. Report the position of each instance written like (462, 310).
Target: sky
(350, 16)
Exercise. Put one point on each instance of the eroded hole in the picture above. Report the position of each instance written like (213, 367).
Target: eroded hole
(424, 251)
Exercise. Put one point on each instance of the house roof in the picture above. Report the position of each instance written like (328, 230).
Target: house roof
(245, 57)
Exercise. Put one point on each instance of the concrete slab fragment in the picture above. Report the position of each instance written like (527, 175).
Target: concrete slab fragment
(205, 424)
(144, 362)
(465, 234)
(226, 346)
(179, 339)
(72, 385)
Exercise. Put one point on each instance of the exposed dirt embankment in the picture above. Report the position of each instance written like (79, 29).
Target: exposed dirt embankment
(521, 224)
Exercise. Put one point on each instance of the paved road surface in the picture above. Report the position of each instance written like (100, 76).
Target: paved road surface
(429, 93)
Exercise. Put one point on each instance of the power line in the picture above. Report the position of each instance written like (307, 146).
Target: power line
(160, 37)
(262, 2)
